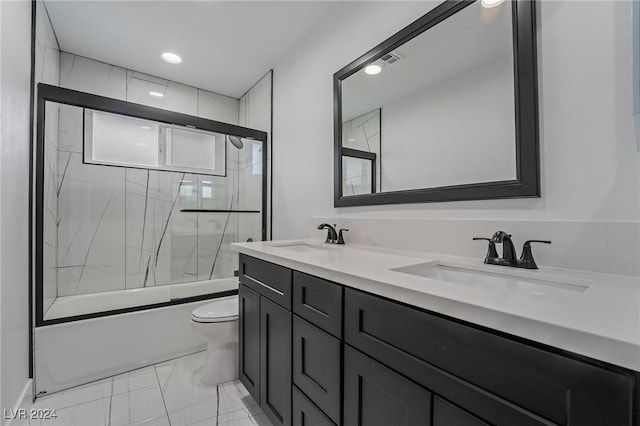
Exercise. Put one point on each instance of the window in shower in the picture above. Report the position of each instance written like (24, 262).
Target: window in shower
(119, 140)
(157, 229)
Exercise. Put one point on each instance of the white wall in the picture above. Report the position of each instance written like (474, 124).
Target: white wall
(589, 160)
(425, 145)
(15, 72)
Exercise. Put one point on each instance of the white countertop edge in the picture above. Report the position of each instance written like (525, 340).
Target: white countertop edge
(598, 347)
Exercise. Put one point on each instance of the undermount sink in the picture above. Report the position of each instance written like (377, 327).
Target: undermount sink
(300, 247)
(548, 287)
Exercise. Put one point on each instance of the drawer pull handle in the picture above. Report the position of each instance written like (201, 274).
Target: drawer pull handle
(265, 285)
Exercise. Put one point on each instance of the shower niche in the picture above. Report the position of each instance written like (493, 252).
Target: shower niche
(136, 207)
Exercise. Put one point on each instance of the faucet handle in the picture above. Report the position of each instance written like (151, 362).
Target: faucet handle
(492, 253)
(526, 259)
(340, 237)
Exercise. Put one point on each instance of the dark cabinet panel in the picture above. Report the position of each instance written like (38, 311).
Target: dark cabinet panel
(319, 302)
(501, 380)
(316, 366)
(375, 395)
(270, 280)
(249, 340)
(275, 362)
(446, 414)
(305, 413)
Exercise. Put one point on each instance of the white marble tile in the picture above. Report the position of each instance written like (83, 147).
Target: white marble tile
(162, 420)
(186, 399)
(193, 410)
(217, 107)
(138, 88)
(136, 406)
(242, 413)
(51, 66)
(181, 98)
(86, 75)
(259, 420)
(233, 397)
(93, 413)
(135, 380)
(74, 396)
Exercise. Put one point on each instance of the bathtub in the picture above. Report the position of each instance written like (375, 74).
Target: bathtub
(78, 352)
(80, 304)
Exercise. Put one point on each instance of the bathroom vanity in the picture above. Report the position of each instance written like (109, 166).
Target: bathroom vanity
(363, 336)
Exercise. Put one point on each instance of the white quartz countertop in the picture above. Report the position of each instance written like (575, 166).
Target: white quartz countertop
(600, 321)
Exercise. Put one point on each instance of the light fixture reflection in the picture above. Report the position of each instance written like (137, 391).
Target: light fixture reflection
(157, 94)
(491, 3)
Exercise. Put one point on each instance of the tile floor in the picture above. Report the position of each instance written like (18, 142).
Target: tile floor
(165, 394)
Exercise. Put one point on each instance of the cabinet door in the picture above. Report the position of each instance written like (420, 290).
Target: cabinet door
(374, 395)
(316, 366)
(446, 414)
(249, 340)
(305, 413)
(275, 362)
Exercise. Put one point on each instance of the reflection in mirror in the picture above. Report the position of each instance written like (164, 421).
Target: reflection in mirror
(445, 106)
(361, 136)
(447, 103)
(357, 175)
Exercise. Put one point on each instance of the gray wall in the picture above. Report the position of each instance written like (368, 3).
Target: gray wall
(15, 64)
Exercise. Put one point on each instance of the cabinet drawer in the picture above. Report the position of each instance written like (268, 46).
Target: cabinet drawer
(501, 380)
(316, 366)
(307, 414)
(318, 301)
(270, 280)
(374, 395)
(446, 414)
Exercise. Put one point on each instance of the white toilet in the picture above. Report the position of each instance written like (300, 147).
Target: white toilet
(218, 323)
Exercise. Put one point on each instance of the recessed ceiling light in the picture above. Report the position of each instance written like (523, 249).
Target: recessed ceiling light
(373, 69)
(157, 94)
(491, 3)
(172, 58)
(145, 127)
(351, 140)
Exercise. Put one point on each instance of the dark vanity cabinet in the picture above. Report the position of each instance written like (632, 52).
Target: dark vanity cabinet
(335, 356)
(265, 336)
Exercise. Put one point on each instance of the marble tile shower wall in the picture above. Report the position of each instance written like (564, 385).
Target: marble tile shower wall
(121, 228)
(47, 70)
(255, 112)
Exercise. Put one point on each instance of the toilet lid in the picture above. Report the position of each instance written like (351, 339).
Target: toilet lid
(219, 311)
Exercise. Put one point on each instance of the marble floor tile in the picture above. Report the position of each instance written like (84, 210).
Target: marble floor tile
(137, 406)
(92, 413)
(259, 420)
(135, 380)
(240, 414)
(165, 394)
(232, 398)
(74, 396)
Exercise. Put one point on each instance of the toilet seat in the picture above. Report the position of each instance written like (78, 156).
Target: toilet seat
(218, 311)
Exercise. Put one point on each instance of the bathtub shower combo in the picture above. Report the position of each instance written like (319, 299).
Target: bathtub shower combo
(136, 208)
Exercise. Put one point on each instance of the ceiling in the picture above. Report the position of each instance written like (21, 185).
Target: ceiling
(226, 46)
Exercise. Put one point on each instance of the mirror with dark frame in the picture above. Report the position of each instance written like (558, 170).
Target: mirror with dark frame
(444, 110)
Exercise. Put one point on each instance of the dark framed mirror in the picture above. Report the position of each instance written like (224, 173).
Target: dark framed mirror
(444, 110)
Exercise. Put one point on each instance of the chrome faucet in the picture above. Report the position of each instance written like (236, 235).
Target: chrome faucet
(332, 235)
(509, 257)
